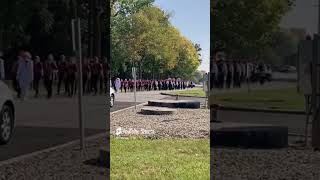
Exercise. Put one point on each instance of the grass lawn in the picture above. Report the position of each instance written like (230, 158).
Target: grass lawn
(196, 92)
(147, 159)
(281, 99)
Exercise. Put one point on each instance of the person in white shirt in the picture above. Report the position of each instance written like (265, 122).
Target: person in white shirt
(2, 73)
(25, 74)
(117, 84)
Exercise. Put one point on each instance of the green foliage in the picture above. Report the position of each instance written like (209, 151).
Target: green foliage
(42, 26)
(246, 27)
(143, 36)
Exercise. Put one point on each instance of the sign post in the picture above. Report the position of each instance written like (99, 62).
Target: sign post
(134, 75)
(206, 88)
(304, 66)
(76, 45)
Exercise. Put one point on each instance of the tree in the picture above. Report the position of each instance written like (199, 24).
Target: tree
(145, 38)
(245, 27)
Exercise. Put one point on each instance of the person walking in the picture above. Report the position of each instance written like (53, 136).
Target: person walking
(14, 70)
(229, 74)
(96, 74)
(25, 74)
(62, 68)
(37, 74)
(49, 69)
(85, 75)
(117, 84)
(126, 85)
(72, 75)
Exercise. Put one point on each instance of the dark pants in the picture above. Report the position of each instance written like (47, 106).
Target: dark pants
(16, 87)
(84, 84)
(48, 84)
(228, 81)
(36, 83)
(60, 80)
(71, 84)
(220, 80)
(94, 83)
(213, 82)
(101, 83)
(236, 80)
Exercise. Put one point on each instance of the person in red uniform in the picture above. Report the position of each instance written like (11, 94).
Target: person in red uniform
(49, 69)
(14, 71)
(62, 68)
(37, 74)
(86, 73)
(126, 85)
(105, 74)
(71, 76)
(96, 74)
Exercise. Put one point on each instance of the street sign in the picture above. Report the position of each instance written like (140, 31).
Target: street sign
(134, 74)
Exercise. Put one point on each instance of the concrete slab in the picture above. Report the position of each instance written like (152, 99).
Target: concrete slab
(248, 135)
(175, 103)
(149, 110)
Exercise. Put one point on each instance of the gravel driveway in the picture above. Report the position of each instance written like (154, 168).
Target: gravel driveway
(65, 163)
(291, 163)
(186, 123)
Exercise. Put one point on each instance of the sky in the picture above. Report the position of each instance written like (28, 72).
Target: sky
(303, 15)
(192, 18)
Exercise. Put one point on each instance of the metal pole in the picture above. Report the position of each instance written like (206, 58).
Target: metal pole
(319, 17)
(80, 95)
(135, 87)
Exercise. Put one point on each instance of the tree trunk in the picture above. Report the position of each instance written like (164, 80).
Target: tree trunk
(90, 28)
(97, 29)
(140, 69)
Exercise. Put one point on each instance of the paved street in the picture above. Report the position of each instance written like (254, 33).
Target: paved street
(43, 123)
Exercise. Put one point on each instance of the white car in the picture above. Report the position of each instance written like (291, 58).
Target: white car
(112, 97)
(7, 114)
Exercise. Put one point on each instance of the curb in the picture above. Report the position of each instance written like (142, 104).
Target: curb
(25, 156)
(131, 107)
(262, 110)
(166, 94)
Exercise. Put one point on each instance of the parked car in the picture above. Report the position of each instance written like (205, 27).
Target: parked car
(287, 69)
(7, 114)
(112, 97)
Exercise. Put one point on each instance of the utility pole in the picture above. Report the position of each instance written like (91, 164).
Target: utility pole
(319, 17)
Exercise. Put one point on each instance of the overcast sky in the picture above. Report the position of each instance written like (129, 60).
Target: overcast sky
(303, 15)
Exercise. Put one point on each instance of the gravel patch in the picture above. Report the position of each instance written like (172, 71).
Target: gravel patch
(186, 123)
(291, 163)
(66, 164)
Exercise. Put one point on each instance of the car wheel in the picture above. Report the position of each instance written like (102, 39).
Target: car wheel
(112, 100)
(6, 124)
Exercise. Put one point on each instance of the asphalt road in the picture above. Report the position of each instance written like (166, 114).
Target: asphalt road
(43, 123)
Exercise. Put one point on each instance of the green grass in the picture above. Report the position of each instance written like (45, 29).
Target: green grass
(147, 159)
(196, 92)
(277, 99)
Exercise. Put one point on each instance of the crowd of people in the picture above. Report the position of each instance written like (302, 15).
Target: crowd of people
(232, 73)
(127, 85)
(28, 71)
